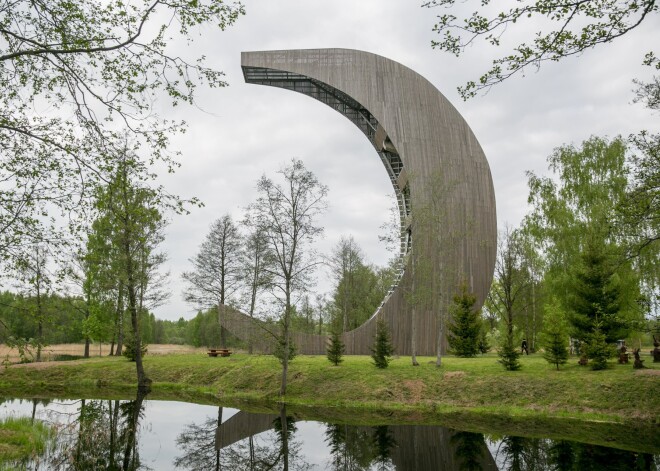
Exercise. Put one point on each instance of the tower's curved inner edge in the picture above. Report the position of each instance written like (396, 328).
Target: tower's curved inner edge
(366, 122)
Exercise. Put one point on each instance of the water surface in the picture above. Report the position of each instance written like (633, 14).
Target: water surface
(162, 435)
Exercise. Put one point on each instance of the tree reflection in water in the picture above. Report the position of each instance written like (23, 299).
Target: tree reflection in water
(278, 450)
(531, 454)
(104, 436)
(198, 443)
(469, 450)
(352, 448)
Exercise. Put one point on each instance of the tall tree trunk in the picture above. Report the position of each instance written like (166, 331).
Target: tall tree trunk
(87, 303)
(114, 421)
(253, 304)
(285, 333)
(40, 325)
(344, 327)
(441, 334)
(533, 339)
(217, 451)
(252, 457)
(144, 383)
(285, 437)
(223, 331)
(130, 458)
(86, 352)
(40, 309)
(413, 336)
(120, 320)
(81, 432)
(413, 318)
(40, 336)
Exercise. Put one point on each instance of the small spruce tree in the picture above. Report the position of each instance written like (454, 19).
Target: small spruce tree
(484, 346)
(464, 330)
(130, 350)
(597, 349)
(555, 348)
(278, 351)
(335, 349)
(509, 354)
(555, 335)
(382, 349)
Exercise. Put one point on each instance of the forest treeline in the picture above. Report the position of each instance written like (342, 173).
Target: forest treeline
(353, 301)
(65, 316)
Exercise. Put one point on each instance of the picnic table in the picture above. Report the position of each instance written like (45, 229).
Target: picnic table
(223, 352)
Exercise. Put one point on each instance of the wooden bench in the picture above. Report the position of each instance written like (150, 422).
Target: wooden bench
(223, 352)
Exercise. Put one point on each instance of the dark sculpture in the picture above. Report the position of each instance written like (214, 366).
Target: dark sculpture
(639, 363)
(623, 355)
(656, 351)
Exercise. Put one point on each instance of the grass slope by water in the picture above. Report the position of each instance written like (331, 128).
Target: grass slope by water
(22, 438)
(478, 385)
(617, 407)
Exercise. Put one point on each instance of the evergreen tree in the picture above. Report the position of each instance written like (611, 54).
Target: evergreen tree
(335, 349)
(483, 345)
(596, 294)
(464, 330)
(509, 355)
(597, 349)
(383, 443)
(555, 348)
(382, 349)
(469, 448)
(555, 335)
(130, 348)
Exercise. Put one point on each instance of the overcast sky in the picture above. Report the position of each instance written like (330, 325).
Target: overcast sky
(240, 132)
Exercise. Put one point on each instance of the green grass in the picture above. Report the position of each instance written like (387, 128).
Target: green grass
(21, 439)
(477, 385)
(574, 403)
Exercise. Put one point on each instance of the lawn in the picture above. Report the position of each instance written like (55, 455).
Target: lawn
(475, 384)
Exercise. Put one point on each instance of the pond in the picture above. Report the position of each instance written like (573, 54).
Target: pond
(161, 435)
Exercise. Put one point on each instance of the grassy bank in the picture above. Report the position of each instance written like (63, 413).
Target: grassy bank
(619, 406)
(21, 438)
(479, 385)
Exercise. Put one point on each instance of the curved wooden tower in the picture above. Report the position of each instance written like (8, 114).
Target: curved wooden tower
(439, 173)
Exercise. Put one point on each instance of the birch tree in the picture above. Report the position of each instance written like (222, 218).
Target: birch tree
(561, 29)
(131, 220)
(93, 67)
(35, 284)
(287, 214)
(345, 261)
(256, 270)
